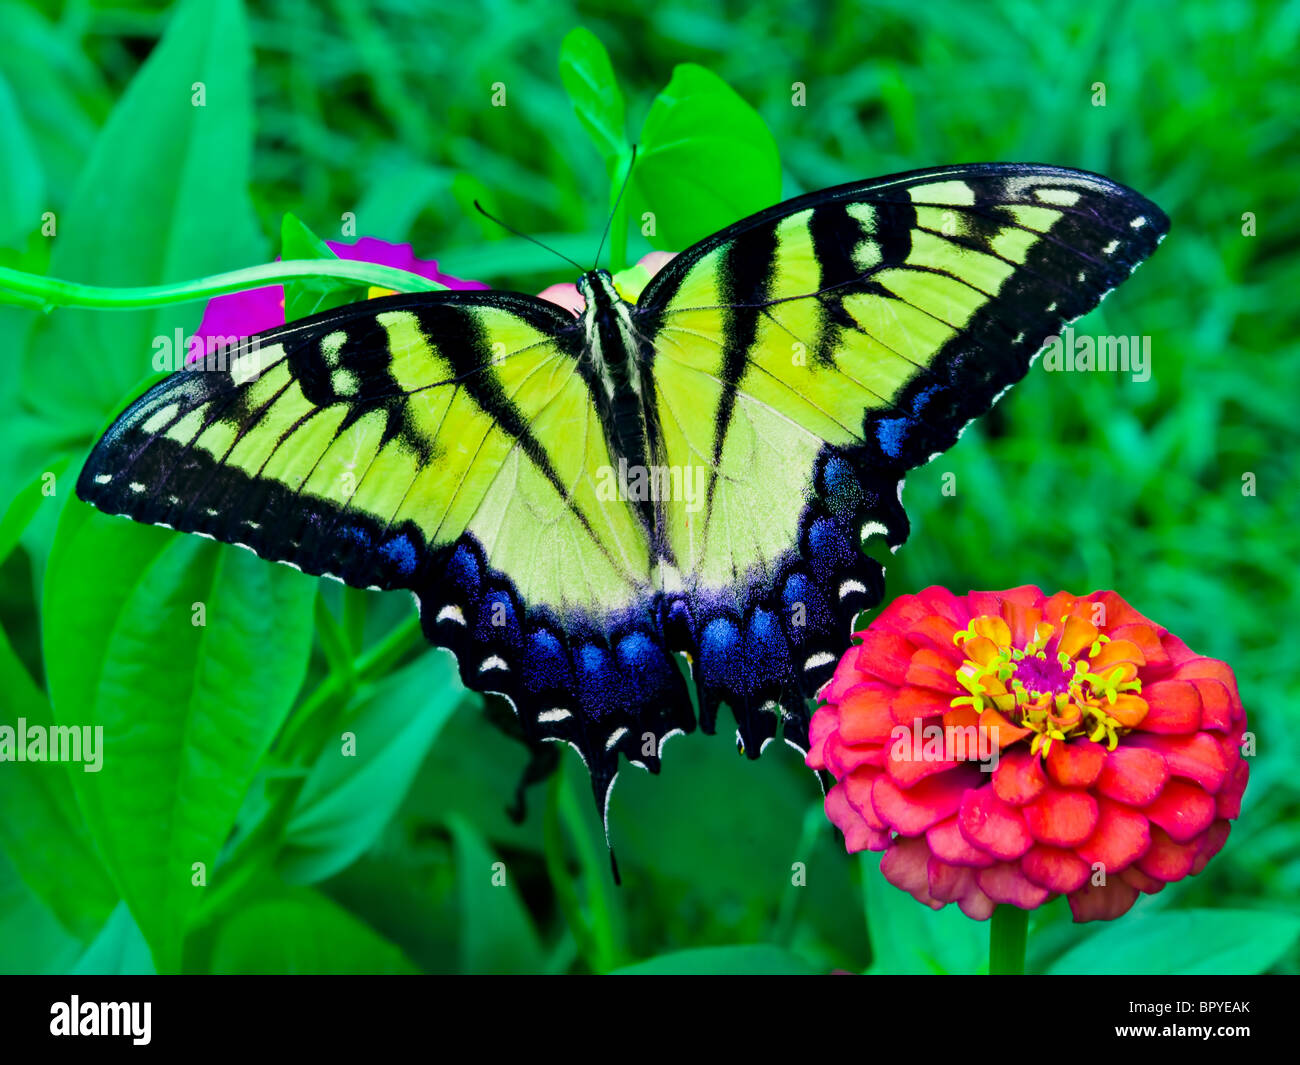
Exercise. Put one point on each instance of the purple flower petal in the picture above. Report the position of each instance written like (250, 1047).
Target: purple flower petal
(374, 250)
(239, 314)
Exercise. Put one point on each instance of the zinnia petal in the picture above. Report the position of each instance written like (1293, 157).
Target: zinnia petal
(1105, 903)
(1062, 817)
(992, 825)
(1183, 810)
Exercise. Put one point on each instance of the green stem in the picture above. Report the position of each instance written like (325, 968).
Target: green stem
(597, 877)
(566, 894)
(48, 292)
(783, 929)
(597, 931)
(334, 643)
(376, 662)
(1008, 933)
(354, 617)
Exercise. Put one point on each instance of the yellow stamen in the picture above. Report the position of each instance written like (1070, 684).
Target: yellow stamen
(1010, 680)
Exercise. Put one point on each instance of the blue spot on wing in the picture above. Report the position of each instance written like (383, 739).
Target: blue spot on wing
(546, 665)
(464, 572)
(766, 646)
(841, 488)
(721, 663)
(401, 553)
(599, 683)
(923, 397)
(890, 432)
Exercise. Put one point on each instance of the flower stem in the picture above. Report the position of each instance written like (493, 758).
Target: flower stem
(1008, 933)
(48, 292)
(618, 207)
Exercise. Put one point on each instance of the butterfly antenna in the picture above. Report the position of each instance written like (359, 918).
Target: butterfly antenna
(511, 229)
(619, 199)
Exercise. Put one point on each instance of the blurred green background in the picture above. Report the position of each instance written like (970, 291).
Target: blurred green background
(387, 861)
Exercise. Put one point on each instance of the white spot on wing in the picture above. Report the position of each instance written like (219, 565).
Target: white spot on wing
(246, 367)
(162, 417)
(1059, 197)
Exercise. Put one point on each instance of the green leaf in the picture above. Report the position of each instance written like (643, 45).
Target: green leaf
(497, 935)
(758, 959)
(163, 197)
(1185, 942)
(22, 180)
(310, 295)
(589, 80)
(25, 505)
(187, 709)
(909, 938)
(58, 88)
(350, 797)
(118, 950)
(302, 932)
(706, 159)
(31, 939)
(41, 828)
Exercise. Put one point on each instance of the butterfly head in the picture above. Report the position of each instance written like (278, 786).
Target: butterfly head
(597, 288)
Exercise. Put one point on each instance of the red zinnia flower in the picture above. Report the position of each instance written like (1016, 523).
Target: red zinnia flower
(1116, 749)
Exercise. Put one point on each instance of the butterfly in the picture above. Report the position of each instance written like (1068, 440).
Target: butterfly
(623, 520)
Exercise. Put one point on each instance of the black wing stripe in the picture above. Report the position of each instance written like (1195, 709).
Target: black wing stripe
(746, 276)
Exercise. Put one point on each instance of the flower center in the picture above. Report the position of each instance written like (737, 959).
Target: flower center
(1041, 677)
(1060, 685)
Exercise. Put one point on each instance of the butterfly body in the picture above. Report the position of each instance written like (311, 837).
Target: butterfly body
(625, 520)
(617, 359)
